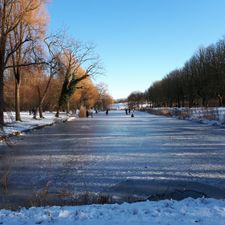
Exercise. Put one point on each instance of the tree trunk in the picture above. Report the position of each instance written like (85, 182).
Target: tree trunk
(178, 102)
(2, 68)
(190, 101)
(41, 99)
(1, 97)
(35, 113)
(57, 113)
(220, 100)
(68, 107)
(205, 101)
(17, 100)
(40, 108)
(182, 102)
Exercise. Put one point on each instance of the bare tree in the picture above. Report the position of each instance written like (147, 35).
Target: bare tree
(53, 48)
(104, 98)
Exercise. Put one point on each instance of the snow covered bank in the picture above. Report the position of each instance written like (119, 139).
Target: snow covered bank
(186, 212)
(28, 123)
(210, 115)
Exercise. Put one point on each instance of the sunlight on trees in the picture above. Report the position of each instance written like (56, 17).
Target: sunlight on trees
(200, 82)
(39, 71)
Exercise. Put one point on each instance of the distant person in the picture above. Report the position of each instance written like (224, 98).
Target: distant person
(87, 113)
(129, 110)
(126, 111)
(92, 113)
(107, 112)
(132, 115)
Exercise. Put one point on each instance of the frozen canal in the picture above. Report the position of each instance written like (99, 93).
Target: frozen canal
(142, 156)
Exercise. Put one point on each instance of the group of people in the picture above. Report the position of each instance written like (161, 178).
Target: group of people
(128, 111)
(91, 112)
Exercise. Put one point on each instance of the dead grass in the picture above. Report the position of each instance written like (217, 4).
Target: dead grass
(5, 181)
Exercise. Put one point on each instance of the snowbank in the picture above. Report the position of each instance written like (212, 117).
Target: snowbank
(186, 212)
(210, 115)
(15, 127)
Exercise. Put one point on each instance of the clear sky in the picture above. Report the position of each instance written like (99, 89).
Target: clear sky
(140, 41)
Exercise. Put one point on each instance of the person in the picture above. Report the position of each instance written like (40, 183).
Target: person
(129, 110)
(92, 112)
(132, 115)
(87, 113)
(126, 111)
(107, 112)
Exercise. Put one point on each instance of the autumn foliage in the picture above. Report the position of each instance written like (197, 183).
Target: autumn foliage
(40, 71)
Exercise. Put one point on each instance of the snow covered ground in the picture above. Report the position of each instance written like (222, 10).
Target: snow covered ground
(185, 212)
(28, 123)
(210, 115)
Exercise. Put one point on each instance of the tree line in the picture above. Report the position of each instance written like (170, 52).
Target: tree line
(200, 82)
(41, 71)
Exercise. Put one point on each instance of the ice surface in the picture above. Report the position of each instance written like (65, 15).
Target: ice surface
(98, 154)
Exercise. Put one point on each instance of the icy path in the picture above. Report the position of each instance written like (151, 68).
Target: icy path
(186, 212)
(115, 154)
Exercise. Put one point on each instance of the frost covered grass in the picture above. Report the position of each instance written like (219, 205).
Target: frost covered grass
(28, 123)
(210, 115)
(185, 212)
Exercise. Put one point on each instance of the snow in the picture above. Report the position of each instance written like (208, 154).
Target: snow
(28, 123)
(213, 116)
(119, 106)
(185, 212)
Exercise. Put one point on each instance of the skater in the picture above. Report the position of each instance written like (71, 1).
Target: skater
(92, 112)
(87, 113)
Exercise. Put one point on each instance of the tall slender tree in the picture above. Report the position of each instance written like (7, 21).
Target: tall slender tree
(32, 29)
(12, 13)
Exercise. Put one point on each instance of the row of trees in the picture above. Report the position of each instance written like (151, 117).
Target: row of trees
(43, 70)
(136, 99)
(201, 81)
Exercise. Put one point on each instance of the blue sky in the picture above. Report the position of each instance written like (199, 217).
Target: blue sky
(140, 41)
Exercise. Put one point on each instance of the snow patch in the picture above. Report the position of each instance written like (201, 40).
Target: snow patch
(28, 123)
(188, 211)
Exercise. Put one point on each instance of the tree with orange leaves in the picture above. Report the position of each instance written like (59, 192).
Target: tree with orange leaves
(12, 14)
(78, 62)
(31, 28)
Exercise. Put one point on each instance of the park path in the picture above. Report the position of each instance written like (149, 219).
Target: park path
(144, 155)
